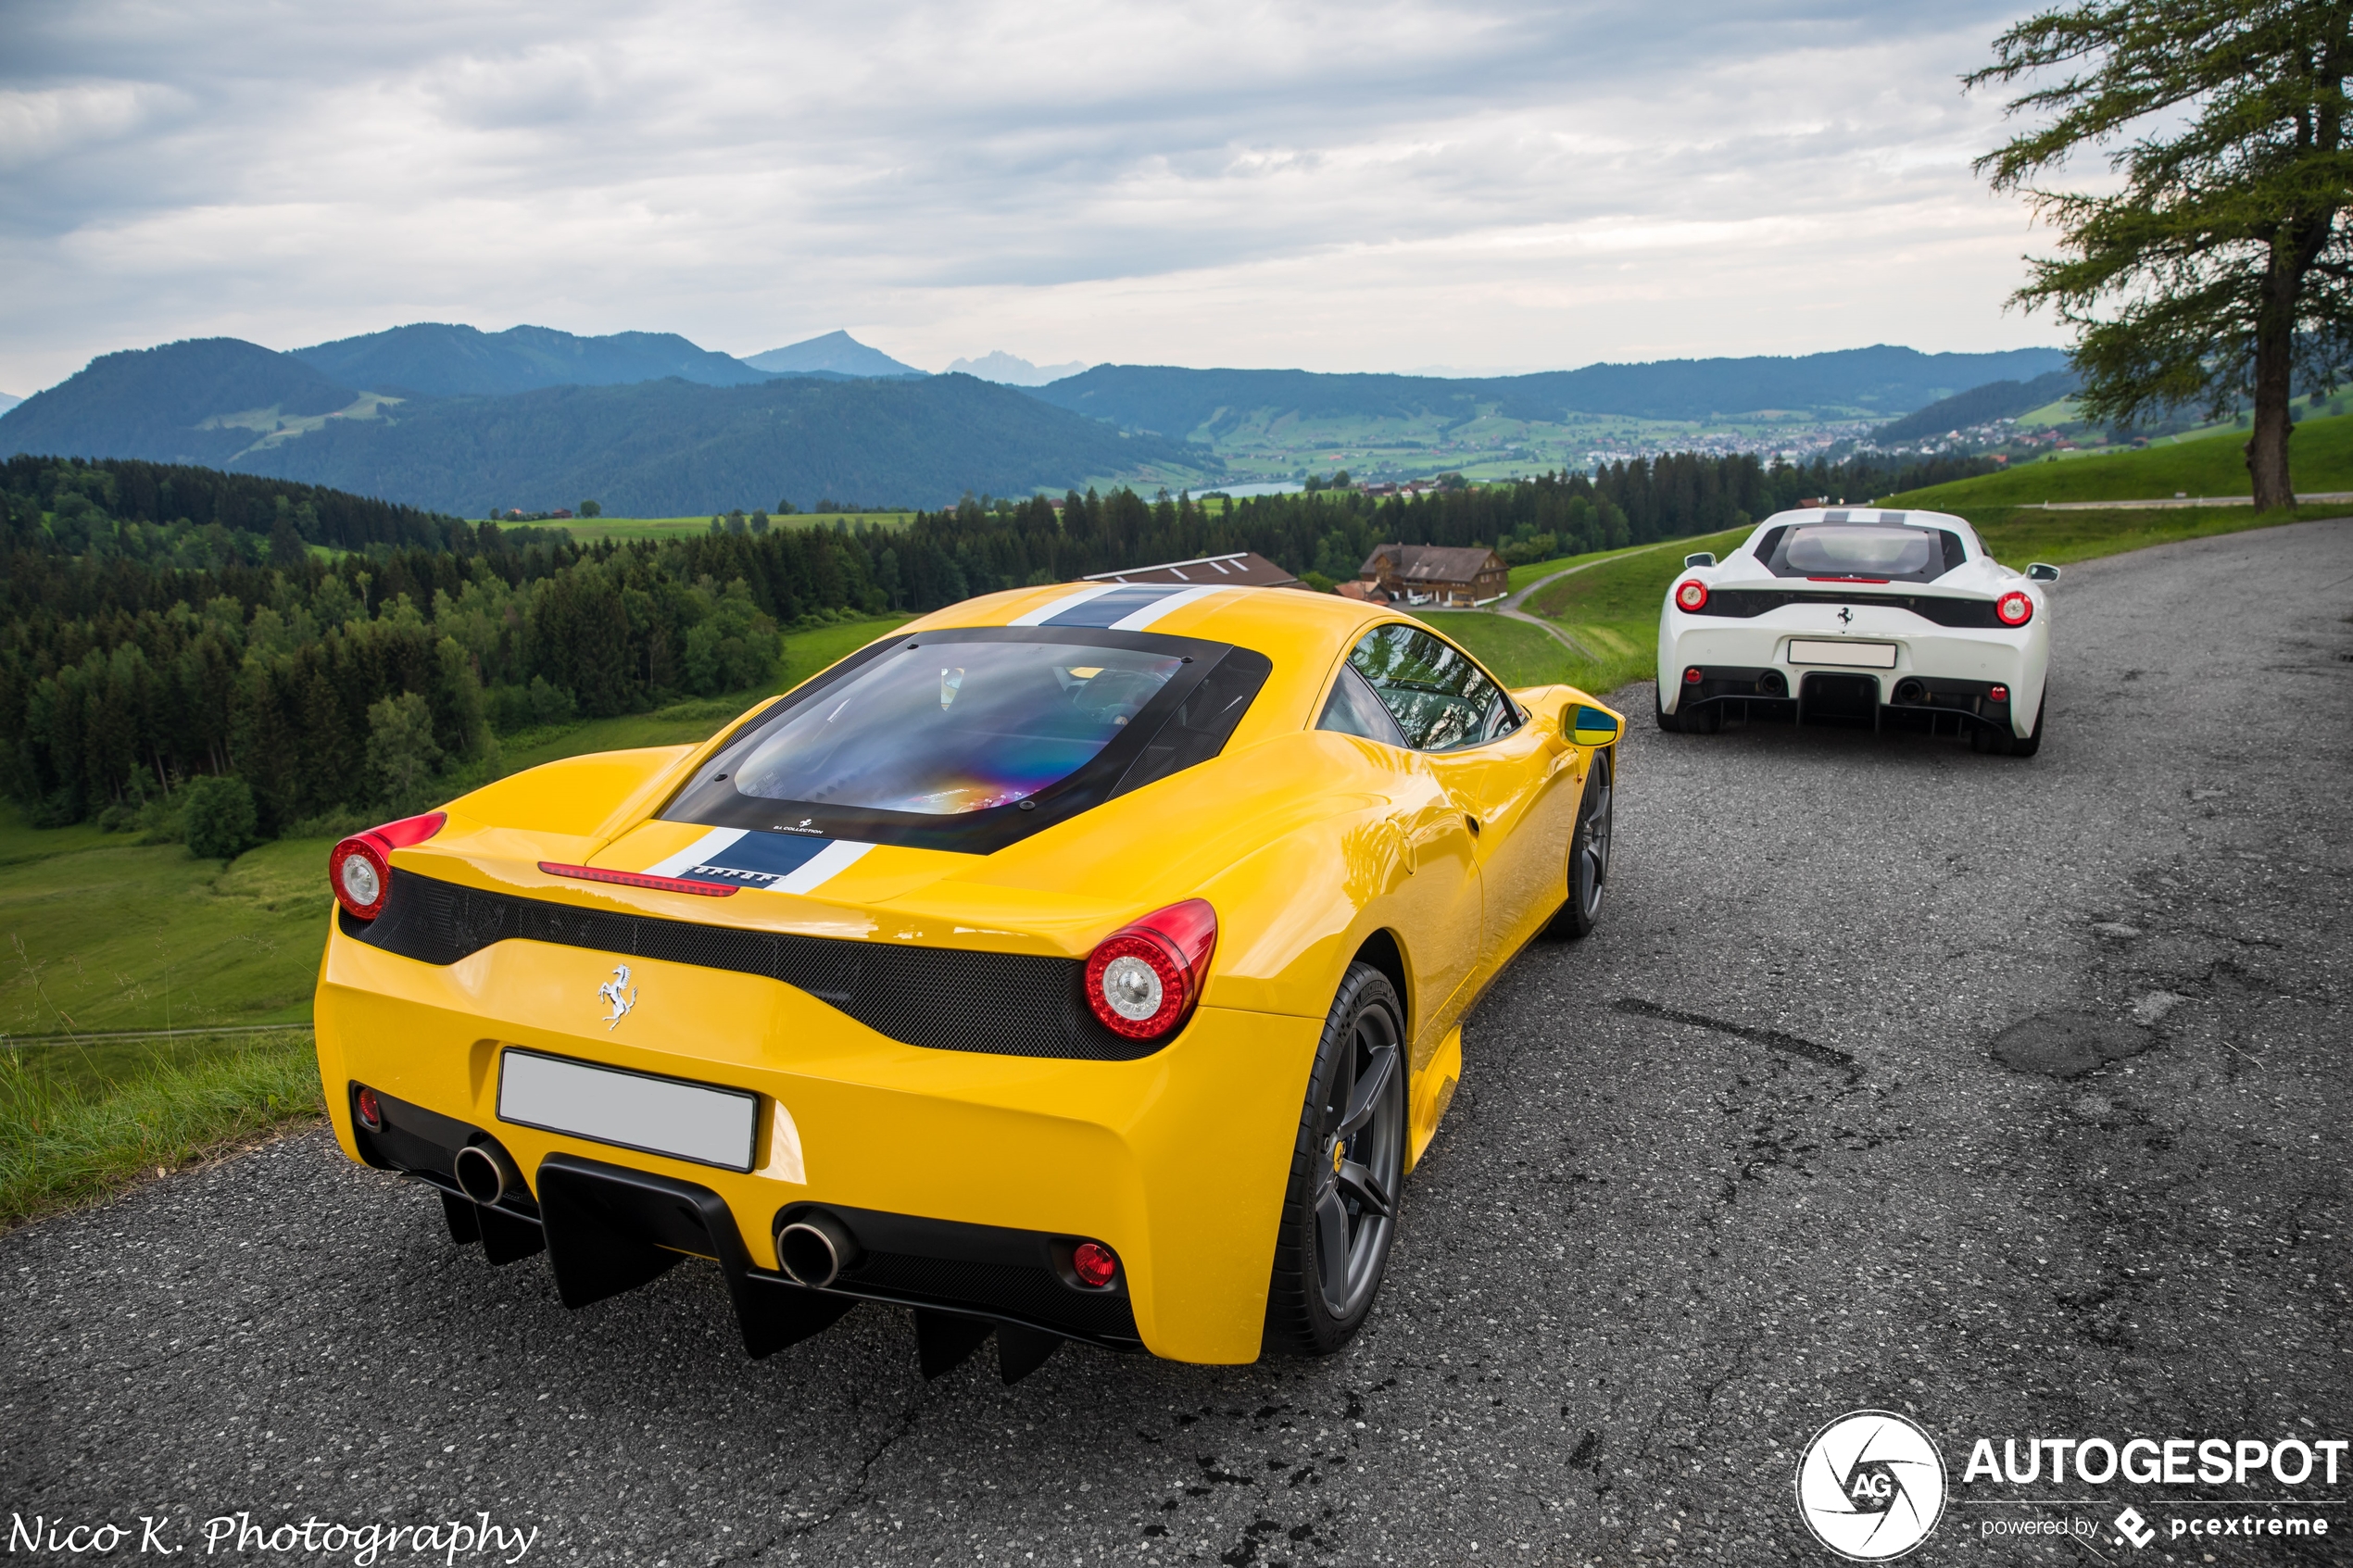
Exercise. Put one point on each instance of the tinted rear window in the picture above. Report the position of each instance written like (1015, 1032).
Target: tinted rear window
(1875, 551)
(955, 727)
(974, 738)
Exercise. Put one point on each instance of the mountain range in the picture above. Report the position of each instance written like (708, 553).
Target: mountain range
(651, 424)
(1012, 369)
(660, 447)
(1201, 405)
(1978, 405)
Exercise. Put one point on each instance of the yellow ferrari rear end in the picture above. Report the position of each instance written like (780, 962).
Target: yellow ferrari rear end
(920, 987)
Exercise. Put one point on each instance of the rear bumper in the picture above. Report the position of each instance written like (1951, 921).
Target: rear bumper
(968, 1168)
(1942, 673)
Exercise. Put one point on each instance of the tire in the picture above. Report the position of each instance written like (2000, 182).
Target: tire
(2033, 742)
(1340, 1210)
(1666, 721)
(1589, 847)
(1705, 720)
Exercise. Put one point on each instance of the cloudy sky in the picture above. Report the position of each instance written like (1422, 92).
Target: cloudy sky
(1359, 186)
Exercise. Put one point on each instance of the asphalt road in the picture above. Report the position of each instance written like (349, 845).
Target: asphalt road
(1646, 1259)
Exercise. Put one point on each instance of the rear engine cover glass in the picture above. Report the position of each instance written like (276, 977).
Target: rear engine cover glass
(973, 738)
(954, 727)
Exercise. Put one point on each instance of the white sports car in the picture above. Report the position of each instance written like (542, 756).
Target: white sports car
(1854, 613)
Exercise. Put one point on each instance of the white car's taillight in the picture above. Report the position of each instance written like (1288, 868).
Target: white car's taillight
(1143, 980)
(2014, 608)
(1691, 595)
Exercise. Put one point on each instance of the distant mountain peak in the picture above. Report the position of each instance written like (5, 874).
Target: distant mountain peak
(442, 358)
(1012, 369)
(836, 352)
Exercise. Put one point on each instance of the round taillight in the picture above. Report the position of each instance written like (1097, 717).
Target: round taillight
(1691, 595)
(1692, 677)
(1997, 694)
(359, 874)
(1142, 981)
(2014, 608)
(1095, 1264)
(360, 870)
(371, 1114)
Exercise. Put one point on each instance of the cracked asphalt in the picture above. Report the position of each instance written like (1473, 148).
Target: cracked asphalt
(1742, 1161)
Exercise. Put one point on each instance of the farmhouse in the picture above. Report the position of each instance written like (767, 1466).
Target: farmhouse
(1243, 569)
(1443, 575)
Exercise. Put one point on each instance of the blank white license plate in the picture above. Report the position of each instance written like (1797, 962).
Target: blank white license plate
(697, 1122)
(1867, 655)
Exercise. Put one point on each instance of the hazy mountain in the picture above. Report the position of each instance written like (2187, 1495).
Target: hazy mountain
(203, 400)
(662, 448)
(1995, 401)
(442, 360)
(7, 402)
(1011, 370)
(669, 448)
(838, 352)
(1856, 382)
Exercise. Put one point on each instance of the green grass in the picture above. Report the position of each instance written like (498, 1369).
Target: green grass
(64, 1141)
(1612, 609)
(101, 934)
(2321, 456)
(1518, 654)
(2017, 536)
(591, 527)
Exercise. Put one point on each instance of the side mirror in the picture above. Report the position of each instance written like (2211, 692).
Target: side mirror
(2041, 571)
(1705, 558)
(1588, 727)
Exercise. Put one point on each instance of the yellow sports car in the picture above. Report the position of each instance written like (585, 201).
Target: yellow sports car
(1071, 963)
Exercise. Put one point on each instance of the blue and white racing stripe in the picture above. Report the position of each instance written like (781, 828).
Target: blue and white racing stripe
(778, 862)
(1116, 607)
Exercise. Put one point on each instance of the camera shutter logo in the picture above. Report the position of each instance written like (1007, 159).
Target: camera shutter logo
(1870, 1486)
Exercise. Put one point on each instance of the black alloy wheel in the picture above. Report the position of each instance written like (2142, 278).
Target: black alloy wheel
(1348, 1167)
(1589, 846)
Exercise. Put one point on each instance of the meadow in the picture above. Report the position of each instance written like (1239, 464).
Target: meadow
(203, 972)
(2320, 454)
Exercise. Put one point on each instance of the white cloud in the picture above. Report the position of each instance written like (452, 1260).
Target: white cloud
(1342, 188)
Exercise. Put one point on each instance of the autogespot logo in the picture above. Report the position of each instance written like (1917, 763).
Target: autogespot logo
(1870, 1486)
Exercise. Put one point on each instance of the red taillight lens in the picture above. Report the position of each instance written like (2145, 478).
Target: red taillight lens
(1143, 980)
(1095, 1264)
(1691, 595)
(371, 1114)
(359, 869)
(1997, 694)
(1692, 677)
(2014, 608)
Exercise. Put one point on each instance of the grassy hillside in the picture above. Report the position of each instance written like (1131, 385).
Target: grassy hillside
(2322, 455)
(99, 933)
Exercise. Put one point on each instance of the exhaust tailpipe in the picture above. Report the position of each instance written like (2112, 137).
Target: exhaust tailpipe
(485, 1173)
(1772, 683)
(1911, 692)
(814, 1248)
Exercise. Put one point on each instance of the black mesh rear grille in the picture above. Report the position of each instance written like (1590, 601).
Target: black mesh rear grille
(1032, 1293)
(941, 999)
(1744, 603)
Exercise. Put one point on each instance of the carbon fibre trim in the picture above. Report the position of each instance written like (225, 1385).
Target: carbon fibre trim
(1946, 610)
(938, 998)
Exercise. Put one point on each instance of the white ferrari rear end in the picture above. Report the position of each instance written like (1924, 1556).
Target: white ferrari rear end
(1895, 618)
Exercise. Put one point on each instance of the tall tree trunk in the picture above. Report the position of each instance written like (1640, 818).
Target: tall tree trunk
(2274, 360)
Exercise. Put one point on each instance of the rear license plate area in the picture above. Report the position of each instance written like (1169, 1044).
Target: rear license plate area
(701, 1122)
(1854, 655)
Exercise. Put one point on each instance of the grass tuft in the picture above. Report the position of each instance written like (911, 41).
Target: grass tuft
(65, 1140)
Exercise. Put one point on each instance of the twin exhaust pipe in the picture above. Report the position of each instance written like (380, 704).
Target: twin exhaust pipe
(814, 1248)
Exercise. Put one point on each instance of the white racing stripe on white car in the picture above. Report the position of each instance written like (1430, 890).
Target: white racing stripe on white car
(821, 868)
(1068, 601)
(695, 854)
(1152, 613)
